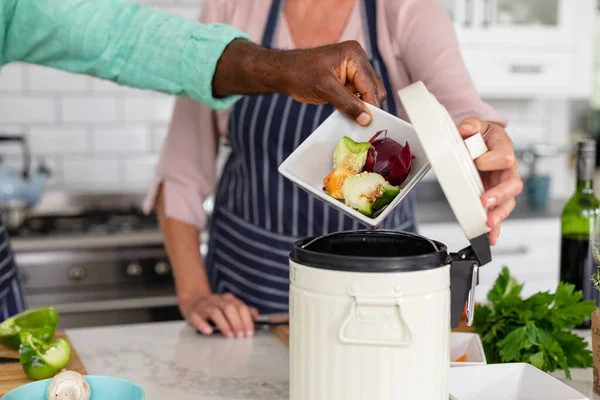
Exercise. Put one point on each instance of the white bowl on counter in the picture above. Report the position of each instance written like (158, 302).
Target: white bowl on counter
(469, 344)
(512, 381)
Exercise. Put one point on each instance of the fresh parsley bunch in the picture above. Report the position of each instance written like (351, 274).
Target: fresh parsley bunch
(536, 330)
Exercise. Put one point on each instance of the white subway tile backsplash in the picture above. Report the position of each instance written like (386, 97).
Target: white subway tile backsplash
(93, 172)
(49, 79)
(27, 109)
(12, 77)
(139, 170)
(121, 139)
(152, 108)
(90, 109)
(159, 135)
(58, 139)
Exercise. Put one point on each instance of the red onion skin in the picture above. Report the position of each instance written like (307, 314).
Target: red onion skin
(400, 166)
(389, 158)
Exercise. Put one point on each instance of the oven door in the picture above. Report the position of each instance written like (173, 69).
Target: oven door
(96, 287)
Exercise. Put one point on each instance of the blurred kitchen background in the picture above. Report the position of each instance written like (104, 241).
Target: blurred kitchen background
(88, 249)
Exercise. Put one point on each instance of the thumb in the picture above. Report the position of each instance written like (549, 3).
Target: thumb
(470, 127)
(348, 103)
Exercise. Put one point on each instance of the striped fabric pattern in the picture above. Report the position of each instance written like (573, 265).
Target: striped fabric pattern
(258, 214)
(11, 293)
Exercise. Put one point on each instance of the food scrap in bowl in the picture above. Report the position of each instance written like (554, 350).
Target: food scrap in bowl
(367, 175)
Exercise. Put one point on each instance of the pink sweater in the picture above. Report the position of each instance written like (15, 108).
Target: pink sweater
(416, 40)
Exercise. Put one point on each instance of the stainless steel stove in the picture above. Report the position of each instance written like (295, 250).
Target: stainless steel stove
(101, 262)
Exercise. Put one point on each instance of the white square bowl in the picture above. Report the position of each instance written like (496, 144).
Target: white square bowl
(313, 159)
(513, 381)
(462, 343)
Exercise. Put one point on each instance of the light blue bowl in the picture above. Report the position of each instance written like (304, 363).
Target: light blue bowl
(102, 388)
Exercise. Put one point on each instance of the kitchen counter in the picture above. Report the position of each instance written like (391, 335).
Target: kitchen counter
(169, 360)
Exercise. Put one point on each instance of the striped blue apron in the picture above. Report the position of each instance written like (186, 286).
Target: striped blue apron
(258, 214)
(11, 293)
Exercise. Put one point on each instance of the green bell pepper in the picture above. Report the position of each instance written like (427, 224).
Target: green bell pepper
(41, 360)
(40, 323)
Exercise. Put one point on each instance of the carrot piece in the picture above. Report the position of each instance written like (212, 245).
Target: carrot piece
(462, 358)
(334, 181)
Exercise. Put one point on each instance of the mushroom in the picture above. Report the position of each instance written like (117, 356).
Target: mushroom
(69, 385)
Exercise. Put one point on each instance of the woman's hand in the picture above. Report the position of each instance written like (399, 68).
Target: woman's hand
(499, 172)
(231, 315)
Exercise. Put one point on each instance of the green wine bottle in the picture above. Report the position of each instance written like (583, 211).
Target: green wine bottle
(579, 230)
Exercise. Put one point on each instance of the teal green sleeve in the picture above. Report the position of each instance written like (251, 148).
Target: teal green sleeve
(117, 40)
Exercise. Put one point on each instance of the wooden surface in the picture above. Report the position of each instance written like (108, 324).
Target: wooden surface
(12, 375)
(283, 331)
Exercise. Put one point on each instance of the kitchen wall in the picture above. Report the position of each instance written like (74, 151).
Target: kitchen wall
(97, 136)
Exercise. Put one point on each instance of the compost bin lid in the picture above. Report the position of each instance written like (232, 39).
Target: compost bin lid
(451, 157)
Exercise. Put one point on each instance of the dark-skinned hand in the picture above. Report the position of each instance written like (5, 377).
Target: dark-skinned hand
(332, 74)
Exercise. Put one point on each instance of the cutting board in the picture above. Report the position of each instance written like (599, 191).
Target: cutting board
(12, 375)
(283, 331)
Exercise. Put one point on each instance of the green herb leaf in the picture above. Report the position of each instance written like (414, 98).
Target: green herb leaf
(505, 286)
(536, 330)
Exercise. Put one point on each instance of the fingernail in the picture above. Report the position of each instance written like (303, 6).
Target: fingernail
(249, 334)
(229, 336)
(468, 127)
(491, 201)
(496, 220)
(363, 119)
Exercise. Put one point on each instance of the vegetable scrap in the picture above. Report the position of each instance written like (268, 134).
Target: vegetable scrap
(536, 330)
(31, 332)
(40, 323)
(462, 358)
(42, 360)
(367, 175)
(389, 158)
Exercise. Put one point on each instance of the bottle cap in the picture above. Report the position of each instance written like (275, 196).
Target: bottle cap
(586, 146)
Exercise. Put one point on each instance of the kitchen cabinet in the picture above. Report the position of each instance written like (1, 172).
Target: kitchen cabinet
(531, 23)
(530, 248)
(527, 48)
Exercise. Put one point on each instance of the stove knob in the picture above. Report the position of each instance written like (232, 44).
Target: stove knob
(161, 268)
(76, 273)
(134, 269)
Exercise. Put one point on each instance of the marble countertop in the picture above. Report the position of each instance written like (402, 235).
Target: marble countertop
(171, 361)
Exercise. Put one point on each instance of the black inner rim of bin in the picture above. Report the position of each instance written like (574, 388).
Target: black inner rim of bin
(370, 251)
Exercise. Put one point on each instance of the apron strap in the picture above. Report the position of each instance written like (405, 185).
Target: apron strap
(272, 22)
(369, 14)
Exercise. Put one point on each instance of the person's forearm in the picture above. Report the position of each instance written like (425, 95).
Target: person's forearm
(248, 69)
(117, 40)
(182, 243)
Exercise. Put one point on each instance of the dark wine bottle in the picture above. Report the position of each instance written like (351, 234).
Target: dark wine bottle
(579, 228)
